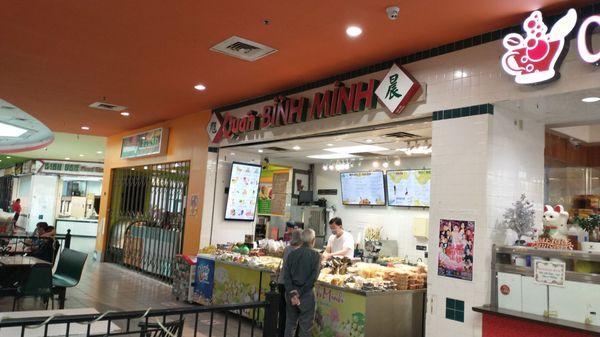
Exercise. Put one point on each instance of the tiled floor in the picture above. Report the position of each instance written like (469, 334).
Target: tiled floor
(107, 286)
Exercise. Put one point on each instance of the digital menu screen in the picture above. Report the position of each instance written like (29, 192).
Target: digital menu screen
(243, 192)
(409, 188)
(363, 188)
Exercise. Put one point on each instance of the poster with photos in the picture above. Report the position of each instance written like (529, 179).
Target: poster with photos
(455, 256)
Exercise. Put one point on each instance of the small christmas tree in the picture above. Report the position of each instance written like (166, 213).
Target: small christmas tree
(520, 218)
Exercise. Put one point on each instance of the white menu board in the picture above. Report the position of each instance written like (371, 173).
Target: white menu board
(243, 192)
(409, 188)
(363, 188)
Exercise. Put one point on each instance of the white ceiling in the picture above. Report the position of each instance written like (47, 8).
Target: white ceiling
(586, 133)
(318, 145)
(563, 110)
(37, 133)
(68, 145)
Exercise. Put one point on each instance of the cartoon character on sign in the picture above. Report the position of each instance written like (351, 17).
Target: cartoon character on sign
(532, 59)
(555, 222)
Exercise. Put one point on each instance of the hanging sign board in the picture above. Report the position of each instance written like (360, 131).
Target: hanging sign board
(73, 168)
(148, 143)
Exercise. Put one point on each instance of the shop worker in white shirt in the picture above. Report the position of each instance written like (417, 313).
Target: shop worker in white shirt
(340, 243)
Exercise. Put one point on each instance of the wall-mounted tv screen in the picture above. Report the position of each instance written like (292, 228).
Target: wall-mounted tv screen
(409, 188)
(363, 188)
(243, 192)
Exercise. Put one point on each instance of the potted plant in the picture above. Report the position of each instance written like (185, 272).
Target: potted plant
(590, 224)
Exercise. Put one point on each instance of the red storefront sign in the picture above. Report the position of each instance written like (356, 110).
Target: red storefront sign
(341, 100)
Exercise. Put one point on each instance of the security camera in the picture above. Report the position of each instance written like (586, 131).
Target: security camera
(392, 12)
(575, 143)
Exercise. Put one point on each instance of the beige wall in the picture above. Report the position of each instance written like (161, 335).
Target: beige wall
(188, 141)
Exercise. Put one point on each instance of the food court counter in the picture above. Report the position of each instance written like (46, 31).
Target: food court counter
(341, 311)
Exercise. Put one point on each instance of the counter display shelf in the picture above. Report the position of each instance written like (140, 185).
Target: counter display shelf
(345, 312)
(342, 311)
(542, 303)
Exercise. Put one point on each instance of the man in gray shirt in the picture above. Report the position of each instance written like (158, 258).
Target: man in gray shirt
(301, 271)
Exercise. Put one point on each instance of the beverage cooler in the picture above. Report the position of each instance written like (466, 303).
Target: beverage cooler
(184, 271)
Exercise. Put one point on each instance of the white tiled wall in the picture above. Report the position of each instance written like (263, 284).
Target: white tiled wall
(476, 174)
(463, 78)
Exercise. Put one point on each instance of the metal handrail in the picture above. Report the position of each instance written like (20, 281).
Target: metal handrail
(120, 315)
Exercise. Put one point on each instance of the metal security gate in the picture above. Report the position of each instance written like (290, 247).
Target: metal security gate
(6, 188)
(146, 219)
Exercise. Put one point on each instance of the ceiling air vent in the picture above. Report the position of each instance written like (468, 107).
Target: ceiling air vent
(276, 149)
(107, 106)
(243, 49)
(402, 135)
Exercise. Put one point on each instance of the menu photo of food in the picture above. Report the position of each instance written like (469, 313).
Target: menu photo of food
(243, 192)
(363, 188)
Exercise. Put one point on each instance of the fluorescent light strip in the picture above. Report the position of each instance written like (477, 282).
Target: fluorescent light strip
(356, 149)
(332, 156)
(7, 130)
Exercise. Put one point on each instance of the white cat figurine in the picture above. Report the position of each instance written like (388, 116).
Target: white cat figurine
(555, 222)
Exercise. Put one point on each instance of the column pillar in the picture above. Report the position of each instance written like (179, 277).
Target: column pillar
(483, 159)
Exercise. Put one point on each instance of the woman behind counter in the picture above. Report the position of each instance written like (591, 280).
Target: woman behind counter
(295, 242)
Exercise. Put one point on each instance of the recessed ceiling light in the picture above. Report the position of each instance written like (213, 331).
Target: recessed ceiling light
(356, 149)
(369, 140)
(592, 99)
(200, 87)
(85, 128)
(296, 147)
(145, 167)
(7, 130)
(81, 155)
(67, 158)
(125, 114)
(261, 150)
(353, 31)
(460, 74)
(331, 156)
(99, 152)
(329, 144)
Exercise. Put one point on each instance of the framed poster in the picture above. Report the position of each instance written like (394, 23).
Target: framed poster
(300, 182)
(455, 256)
(148, 143)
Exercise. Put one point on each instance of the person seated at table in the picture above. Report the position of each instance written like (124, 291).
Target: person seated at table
(42, 245)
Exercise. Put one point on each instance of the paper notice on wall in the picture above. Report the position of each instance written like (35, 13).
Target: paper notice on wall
(280, 181)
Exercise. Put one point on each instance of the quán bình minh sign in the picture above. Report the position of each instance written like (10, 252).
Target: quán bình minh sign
(287, 111)
(535, 58)
(395, 92)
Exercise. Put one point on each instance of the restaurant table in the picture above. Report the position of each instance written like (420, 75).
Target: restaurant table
(14, 271)
(75, 329)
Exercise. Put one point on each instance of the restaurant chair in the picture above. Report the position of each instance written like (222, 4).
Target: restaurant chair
(68, 273)
(174, 328)
(38, 284)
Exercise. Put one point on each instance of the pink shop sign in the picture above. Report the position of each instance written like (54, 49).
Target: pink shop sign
(535, 57)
